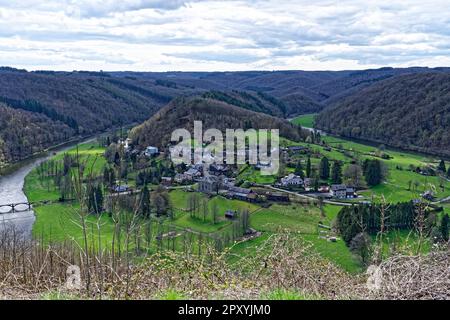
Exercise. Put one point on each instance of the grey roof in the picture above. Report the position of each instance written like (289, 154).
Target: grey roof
(240, 190)
(297, 148)
(211, 179)
(191, 171)
(336, 187)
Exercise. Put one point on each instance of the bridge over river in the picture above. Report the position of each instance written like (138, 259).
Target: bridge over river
(15, 209)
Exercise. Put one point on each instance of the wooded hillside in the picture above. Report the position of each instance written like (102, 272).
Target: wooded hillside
(23, 133)
(91, 102)
(410, 112)
(182, 112)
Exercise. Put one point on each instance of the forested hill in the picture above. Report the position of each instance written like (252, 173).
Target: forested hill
(182, 112)
(410, 112)
(23, 133)
(300, 91)
(44, 108)
(83, 103)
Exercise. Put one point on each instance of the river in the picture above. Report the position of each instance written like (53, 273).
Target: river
(11, 191)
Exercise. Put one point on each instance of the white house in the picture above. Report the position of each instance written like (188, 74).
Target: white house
(126, 143)
(192, 173)
(341, 191)
(292, 180)
(151, 151)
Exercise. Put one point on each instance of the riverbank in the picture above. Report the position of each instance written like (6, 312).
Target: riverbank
(13, 166)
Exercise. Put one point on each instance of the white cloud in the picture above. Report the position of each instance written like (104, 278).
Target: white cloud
(159, 35)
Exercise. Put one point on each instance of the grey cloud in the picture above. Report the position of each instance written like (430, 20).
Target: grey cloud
(229, 57)
(233, 32)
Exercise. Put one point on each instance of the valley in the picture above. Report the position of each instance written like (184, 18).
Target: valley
(196, 220)
(120, 196)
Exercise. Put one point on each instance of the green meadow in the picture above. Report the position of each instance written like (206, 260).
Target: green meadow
(306, 120)
(62, 221)
(401, 184)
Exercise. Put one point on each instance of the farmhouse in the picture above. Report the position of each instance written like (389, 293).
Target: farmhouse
(428, 195)
(120, 189)
(291, 180)
(277, 196)
(151, 151)
(341, 191)
(218, 169)
(192, 173)
(241, 194)
(181, 178)
(298, 149)
(230, 214)
(209, 184)
(166, 181)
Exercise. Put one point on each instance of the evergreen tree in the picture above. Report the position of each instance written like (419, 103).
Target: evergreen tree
(324, 168)
(95, 199)
(448, 172)
(441, 166)
(444, 227)
(124, 169)
(98, 199)
(145, 202)
(316, 183)
(245, 221)
(308, 167)
(117, 159)
(106, 176)
(109, 177)
(112, 176)
(373, 172)
(299, 170)
(336, 173)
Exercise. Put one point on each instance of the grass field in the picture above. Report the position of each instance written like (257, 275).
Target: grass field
(249, 173)
(59, 222)
(306, 120)
(302, 222)
(90, 155)
(179, 199)
(396, 187)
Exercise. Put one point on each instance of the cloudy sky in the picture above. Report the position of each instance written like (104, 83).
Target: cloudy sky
(211, 35)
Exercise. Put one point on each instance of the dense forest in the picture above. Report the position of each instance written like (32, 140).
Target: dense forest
(410, 112)
(63, 105)
(23, 132)
(182, 112)
(86, 103)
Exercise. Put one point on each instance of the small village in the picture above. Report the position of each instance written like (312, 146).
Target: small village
(223, 179)
(323, 182)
